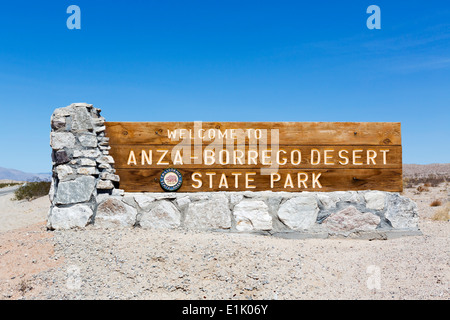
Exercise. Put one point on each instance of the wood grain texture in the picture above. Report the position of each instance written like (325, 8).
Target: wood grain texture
(290, 154)
(290, 133)
(147, 180)
(328, 138)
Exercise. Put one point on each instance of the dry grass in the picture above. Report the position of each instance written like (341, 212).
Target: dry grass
(436, 203)
(442, 213)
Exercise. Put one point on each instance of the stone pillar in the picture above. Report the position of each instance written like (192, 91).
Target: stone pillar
(82, 166)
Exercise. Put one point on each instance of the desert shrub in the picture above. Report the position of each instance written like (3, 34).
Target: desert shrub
(32, 190)
(432, 180)
(436, 203)
(407, 183)
(5, 185)
(422, 188)
(442, 213)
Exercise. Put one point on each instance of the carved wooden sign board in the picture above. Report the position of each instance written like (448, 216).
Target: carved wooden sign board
(256, 156)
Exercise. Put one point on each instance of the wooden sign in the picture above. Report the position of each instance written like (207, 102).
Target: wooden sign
(256, 156)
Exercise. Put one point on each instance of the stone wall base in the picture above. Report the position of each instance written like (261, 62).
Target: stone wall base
(353, 214)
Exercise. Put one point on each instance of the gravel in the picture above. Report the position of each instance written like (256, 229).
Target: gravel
(150, 264)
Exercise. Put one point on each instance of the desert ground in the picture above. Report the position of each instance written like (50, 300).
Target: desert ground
(174, 264)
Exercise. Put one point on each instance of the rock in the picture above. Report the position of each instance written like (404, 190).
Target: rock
(200, 196)
(105, 166)
(375, 199)
(118, 192)
(210, 214)
(105, 159)
(99, 121)
(59, 140)
(51, 192)
(63, 171)
(60, 157)
(235, 198)
(105, 185)
(273, 202)
(88, 140)
(103, 141)
(75, 191)
(113, 213)
(90, 153)
(249, 194)
(87, 162)
(348, 196)
(81, 105)
(183, 202)
(63, 112)
(143, 201)
(164, 195)
(252, 215)
(350, 219)
(87, 170)
(58, 123)
(299, 213)
(76, 216)
(162, 216)
(327, 201)
(100, 129)
(81, 119)
(100, 197)
(109, 176)
(402, 212)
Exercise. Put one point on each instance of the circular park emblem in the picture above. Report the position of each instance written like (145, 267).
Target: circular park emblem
(171, 179)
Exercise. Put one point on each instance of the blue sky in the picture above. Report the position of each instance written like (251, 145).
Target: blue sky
(225, 61)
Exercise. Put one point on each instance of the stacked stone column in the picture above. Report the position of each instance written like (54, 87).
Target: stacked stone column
(82, 166)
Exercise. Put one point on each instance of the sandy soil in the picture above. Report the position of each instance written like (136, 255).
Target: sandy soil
(18, 214)
(175, 264)
(24, 253)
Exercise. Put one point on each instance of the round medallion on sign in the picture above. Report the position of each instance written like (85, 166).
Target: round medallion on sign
(171, 179)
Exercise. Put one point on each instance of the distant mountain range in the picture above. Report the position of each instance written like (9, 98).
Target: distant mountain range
(12, 174)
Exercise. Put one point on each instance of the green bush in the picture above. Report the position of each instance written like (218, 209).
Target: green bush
(32, 190)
